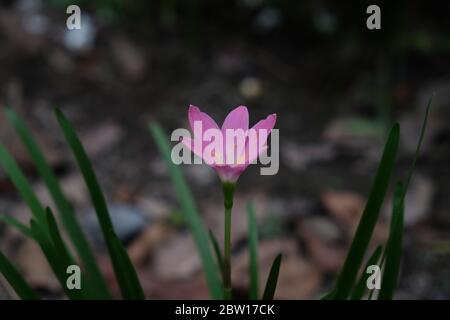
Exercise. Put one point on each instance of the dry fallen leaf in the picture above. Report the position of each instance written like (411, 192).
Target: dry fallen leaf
(144, 245)
(345, 206)
(35, 267)
(298, 278)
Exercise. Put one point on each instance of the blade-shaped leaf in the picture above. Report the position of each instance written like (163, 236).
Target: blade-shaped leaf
(131, 279)
(369, 217)
(55, 261)
(16, 224)
(419, 145)
(217, 252)
(23, 186)
(361, 285)
(65, 258)
(394, 245)
(58, 243)
(329, 295)
(65, 210)
(192, 217)
(253, 250)
(393, 248)
(124, 270)
(15, 279)
(272, 279)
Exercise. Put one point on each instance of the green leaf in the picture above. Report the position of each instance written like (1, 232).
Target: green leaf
(58, 243)
(15, 279)
(65, 258)
(253, 250)
(329, 295)
(369, 217)
(123, 268)
(65, 210)
(393, 247)
(361, 285)
(219, 256)
(419, 145)
(192, 217)
(23, 186)
(130, 278)
(55, 261)
(272, 280)
(16, 224)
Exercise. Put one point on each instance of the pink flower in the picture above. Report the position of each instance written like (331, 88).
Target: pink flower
(231, 149)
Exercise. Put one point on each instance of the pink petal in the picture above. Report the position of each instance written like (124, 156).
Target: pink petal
(236, 119)
(195, 114)
(266, 124)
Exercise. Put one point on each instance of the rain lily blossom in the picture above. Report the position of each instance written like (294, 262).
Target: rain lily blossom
(231, 149)
(228, 150)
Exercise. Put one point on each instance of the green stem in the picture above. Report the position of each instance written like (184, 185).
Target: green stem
(228, 192)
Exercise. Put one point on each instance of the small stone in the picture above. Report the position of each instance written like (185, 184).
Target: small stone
(81, 40)
(128, 221)
(250, 88)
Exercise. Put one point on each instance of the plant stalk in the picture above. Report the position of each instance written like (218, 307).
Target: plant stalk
(228, 192)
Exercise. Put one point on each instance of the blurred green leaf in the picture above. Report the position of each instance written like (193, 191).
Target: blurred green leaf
(176, 219)
(393, 247)
(58, 242)
(329, 295)
(13, 222)
(54, 259)
(63, 255)
(253, 250)
(192, 217)
(123, 268)
(364, 127)
(369, 217)
(419, 145)
(272, 226)
(394, 244)
(96, 280)
(15, 279)
(129, 276)
(272, 279)
(219, 256)
(23, 186)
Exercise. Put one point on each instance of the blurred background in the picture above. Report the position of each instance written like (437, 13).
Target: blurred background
(336, 86)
